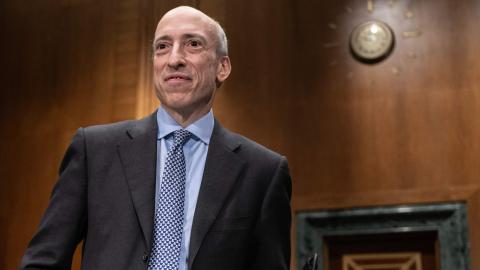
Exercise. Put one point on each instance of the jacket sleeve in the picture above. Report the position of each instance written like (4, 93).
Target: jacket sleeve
(63, 224)
(273, 226)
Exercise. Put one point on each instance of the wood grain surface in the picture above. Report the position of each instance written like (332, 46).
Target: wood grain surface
(405, 130)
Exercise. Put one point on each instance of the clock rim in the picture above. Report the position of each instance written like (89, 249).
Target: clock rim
(380, 57)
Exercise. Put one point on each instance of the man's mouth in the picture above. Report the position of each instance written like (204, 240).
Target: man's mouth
(177, 77)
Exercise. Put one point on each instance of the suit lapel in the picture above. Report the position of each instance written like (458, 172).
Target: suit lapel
(138, 155)
(222, 168)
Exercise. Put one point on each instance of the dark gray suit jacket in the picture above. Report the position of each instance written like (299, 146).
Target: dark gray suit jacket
(105, 197)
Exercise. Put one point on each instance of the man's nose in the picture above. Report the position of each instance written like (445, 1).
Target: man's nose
(176, 58)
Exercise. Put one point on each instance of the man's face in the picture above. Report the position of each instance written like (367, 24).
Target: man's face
(186, 67)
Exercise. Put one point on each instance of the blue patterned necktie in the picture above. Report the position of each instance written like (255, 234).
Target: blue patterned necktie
(168, 226)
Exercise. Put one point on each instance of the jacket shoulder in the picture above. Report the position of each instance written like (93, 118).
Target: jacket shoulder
(114, 132)
(253, 150)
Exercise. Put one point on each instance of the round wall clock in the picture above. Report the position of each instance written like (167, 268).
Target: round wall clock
(372, 41)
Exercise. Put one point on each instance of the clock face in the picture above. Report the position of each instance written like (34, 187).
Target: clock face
(371, 41)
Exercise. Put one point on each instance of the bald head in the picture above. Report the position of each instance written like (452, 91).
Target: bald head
(190, 62)
(214, 27)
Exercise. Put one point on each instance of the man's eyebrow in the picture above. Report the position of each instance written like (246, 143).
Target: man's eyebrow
(184, 36)
(188, 35)
(164, 37)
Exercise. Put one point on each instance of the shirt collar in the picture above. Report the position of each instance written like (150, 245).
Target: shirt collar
(202, 128)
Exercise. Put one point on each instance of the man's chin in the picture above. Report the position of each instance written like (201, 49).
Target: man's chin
(178, 86)
(174, 98)
(177, 106)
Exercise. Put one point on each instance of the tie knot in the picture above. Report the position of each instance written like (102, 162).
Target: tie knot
(181, 136)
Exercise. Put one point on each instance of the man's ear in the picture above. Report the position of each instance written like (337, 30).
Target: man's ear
(223, 70)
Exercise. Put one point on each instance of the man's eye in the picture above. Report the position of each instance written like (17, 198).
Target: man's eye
(160, 46)
(194, 43)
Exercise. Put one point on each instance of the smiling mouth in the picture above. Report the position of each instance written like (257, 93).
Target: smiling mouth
(175, 78)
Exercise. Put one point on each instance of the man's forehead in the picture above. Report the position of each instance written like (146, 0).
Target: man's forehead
(184, 19)
(184, 10)
(182, 28)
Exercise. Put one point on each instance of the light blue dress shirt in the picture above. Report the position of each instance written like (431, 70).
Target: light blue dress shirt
(195, 151)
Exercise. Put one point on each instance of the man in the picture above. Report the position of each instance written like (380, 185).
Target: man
(174, 190)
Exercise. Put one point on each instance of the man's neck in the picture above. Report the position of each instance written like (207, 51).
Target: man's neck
(185, 118)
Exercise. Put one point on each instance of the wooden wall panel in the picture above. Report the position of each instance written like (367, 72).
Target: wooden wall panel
(257, 98)
(402, 131)
(65, 64)
(405, 123)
